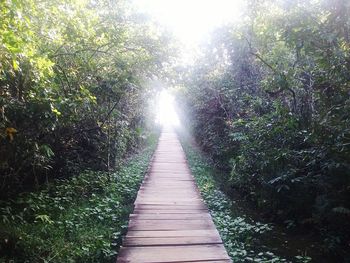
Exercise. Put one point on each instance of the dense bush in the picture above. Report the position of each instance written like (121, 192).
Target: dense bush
(269, 101)
(238, 232)
(73, 86)
(80, 219)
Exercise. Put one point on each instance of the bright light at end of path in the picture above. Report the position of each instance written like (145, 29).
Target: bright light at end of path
(192, 20)
(166, 114)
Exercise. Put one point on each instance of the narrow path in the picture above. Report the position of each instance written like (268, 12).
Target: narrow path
(170, 222)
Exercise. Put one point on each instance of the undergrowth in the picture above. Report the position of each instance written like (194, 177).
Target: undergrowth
(238, 232)
(81, 219)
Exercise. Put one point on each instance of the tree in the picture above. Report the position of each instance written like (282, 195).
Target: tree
(73, 76)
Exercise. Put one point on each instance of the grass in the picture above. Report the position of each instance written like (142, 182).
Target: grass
(81, 219)
(239, 233)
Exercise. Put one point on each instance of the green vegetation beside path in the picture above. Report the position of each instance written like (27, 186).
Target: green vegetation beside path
(243, 237)
(268, 101)
(81, 219)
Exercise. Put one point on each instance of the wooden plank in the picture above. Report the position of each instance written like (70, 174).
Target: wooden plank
(170, 216)
(178, 224)
(167, 201)
(173, 253)
(175, 233)
(176, 171)
(170, 206)
(163, 225)
(167, 241)
(198, 221)
(173, 211)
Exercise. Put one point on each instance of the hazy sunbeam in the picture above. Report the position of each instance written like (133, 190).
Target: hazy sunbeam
(191, 20)
(166, 114)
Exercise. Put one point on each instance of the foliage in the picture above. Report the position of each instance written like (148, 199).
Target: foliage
(73, 87)
(269, 102)
(81, 219)
(239, 233)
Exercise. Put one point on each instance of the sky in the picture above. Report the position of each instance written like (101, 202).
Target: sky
(191, 21)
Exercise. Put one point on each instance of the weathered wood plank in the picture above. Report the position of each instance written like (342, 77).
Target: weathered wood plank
(173, 211)
(175, 233)
(190, 206)
(162, 241)
(173, 253)
(170, 216)
(150, 224)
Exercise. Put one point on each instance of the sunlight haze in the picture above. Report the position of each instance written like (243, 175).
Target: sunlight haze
(166, 113)
(191, 21)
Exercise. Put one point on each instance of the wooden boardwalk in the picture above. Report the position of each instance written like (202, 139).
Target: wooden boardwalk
(170, 222)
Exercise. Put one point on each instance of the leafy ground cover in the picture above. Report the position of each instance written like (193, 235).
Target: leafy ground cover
(81, 219)
(243, 237)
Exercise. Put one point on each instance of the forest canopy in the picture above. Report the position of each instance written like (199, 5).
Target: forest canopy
(74, 78)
